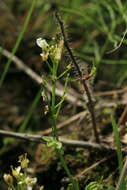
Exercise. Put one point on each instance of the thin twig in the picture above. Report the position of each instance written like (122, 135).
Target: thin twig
(111, 92)
(90, 104)
(119, 45)
(122, 120)
(66, 142)
(64, 123)
(123, 117)
(86, 170)
(20, 65)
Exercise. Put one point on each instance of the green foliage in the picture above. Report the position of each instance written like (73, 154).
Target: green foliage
(103, 38)
(94, 186)
(51, 142)
(98, 186)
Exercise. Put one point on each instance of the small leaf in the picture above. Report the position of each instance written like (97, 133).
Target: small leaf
(93, 186)
(51, 142)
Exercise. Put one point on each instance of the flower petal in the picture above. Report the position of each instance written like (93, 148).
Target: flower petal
(42, 43)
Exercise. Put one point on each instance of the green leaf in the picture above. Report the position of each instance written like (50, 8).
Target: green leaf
(51, 142)
(93, 186)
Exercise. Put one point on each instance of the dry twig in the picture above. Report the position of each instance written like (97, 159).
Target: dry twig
(64, 123)
(123, 117)
(86, 170)
(66, 142)
(111, 92)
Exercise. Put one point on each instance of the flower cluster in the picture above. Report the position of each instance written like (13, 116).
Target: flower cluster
(19, 178)
(53, 50)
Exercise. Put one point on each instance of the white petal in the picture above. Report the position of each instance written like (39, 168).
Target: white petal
(18, 169)
(29, 188)
(42, 43)
(38, 41)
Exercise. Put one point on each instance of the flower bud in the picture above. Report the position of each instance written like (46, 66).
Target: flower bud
(58, 50)
(24, 161)
(8, 179)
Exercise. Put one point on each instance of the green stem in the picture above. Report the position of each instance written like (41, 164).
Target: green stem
(62, 98)
(53, 109)
(65, 72)
(73, 181)
(54, 114)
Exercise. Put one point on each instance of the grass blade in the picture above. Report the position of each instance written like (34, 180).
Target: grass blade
(118, 150)
(30, 112)
(20, 37)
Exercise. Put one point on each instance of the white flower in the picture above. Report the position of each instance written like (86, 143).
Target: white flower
(16, 172)
(30, 181)
(42, 43)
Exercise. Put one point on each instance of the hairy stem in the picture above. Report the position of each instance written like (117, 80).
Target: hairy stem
(90, 104)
